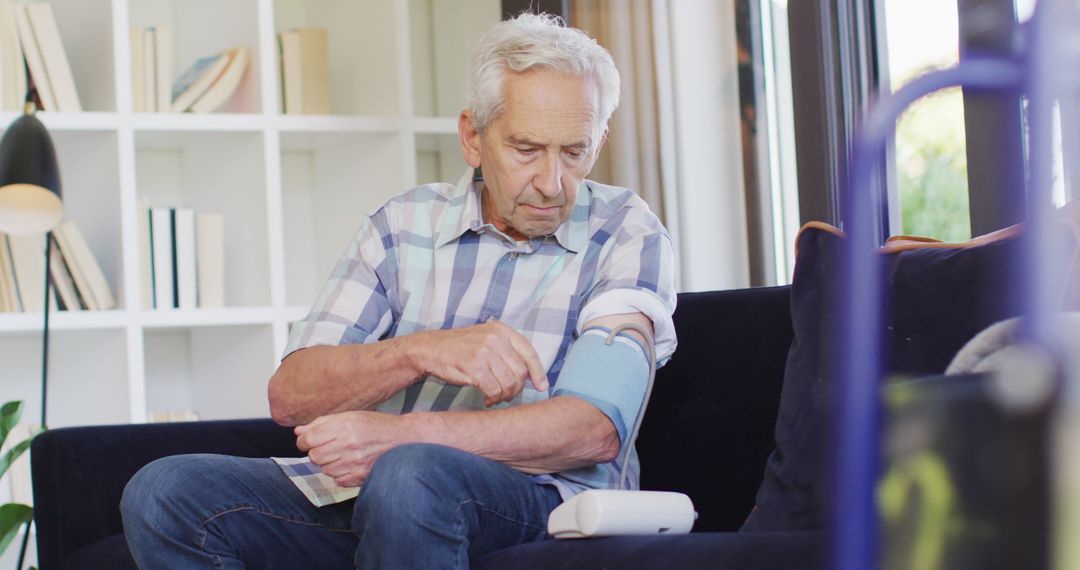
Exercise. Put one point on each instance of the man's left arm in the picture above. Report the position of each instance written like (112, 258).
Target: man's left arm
(557, 434)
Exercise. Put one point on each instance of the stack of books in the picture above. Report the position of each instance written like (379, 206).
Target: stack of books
(182, 255)
(205, 86)
(78, 282)
(305, 71)
(31, 53)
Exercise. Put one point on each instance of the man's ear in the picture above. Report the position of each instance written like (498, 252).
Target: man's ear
(469, 138)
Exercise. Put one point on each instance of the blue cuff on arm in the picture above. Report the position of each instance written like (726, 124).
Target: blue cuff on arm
(612, 377)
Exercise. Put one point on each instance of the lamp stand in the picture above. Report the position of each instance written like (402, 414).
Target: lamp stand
(44, 372)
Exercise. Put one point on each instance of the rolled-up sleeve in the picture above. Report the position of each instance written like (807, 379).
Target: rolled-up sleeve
(637, 275)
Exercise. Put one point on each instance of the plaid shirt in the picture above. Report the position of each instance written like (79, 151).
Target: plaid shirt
(426, 260)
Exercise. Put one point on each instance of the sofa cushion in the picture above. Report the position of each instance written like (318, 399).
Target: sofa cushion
(938, 297)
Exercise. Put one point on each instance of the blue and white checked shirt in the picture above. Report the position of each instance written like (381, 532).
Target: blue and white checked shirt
(426, 260)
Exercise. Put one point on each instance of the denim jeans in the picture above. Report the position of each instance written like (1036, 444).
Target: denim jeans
(423, 506)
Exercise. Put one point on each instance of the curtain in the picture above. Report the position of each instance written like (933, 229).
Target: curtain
(632, 155)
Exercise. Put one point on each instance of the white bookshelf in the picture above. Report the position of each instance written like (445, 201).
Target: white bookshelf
(292, 189)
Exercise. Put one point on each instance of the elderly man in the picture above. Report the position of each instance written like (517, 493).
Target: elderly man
(449, 372)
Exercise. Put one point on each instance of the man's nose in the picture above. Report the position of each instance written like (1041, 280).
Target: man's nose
(549, 179)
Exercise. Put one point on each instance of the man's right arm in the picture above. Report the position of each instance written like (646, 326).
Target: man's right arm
(321, 380)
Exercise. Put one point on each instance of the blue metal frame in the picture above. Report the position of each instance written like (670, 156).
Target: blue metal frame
(854, 528)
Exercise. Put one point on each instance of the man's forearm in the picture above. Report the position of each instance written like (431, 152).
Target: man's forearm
(322, 380)
(549, 436)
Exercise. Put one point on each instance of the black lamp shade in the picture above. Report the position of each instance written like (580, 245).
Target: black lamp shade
(29, 179)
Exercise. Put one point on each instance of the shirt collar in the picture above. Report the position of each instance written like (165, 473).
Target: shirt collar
(464, 213)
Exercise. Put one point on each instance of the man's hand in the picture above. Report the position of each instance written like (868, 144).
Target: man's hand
(492, 357)
(346, 445)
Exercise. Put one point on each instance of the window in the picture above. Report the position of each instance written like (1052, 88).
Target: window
(931, 185)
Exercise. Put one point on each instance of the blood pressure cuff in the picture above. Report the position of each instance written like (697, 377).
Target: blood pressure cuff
(613, 377)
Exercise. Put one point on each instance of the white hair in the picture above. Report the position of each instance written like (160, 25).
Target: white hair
(532, 41)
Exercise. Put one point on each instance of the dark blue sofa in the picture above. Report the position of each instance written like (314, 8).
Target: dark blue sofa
(707, 432)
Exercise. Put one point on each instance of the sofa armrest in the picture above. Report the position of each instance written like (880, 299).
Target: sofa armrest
(79, 473)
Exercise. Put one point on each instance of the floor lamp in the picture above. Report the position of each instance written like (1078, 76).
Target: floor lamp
(30, 204)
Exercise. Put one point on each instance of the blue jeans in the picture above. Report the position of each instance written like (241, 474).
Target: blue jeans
(423, 506)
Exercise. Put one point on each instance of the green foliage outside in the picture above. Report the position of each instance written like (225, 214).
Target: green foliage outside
(931, 164)
(12, 515)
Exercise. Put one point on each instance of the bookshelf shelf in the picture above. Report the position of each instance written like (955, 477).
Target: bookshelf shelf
(85, 121)
(193, 122)
(181, 319)
(29, 324)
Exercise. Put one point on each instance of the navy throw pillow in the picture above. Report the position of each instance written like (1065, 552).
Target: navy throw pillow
(939, 296)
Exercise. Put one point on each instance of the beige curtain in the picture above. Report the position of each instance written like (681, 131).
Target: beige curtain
(632, 155)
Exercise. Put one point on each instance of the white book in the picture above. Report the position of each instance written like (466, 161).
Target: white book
(305, 62)
(226, 84)
(138, 68)
(62, 281)
(187, 279)
(34, 61)
(163, 68)
(82, 257)
(146, 261)
(196, 80)
(9, 299)
(161, 248)
(12, 65)
(210, 239)
(28, 257)
(149, 71)
(43, 21)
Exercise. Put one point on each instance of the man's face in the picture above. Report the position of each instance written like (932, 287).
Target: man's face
(536, 153)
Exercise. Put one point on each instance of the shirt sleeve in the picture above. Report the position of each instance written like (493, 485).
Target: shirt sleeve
(637, 275)
(355, 305)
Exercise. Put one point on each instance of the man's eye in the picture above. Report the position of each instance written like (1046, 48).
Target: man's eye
(575, 154)
(526, 151)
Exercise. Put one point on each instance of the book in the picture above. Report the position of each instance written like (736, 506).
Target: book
(196, 80)
(51, 48)
(163, 68)
(305, 60)
(146, 261)
(35, 63)
(187, 280)
(94, 288)
(161, 251)
(210, 255)
(12, 64)
(138, 69)
(28, 258)
(9, 297)
(226, 84)
(154, 416)
(149, 76)
(66, 292)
